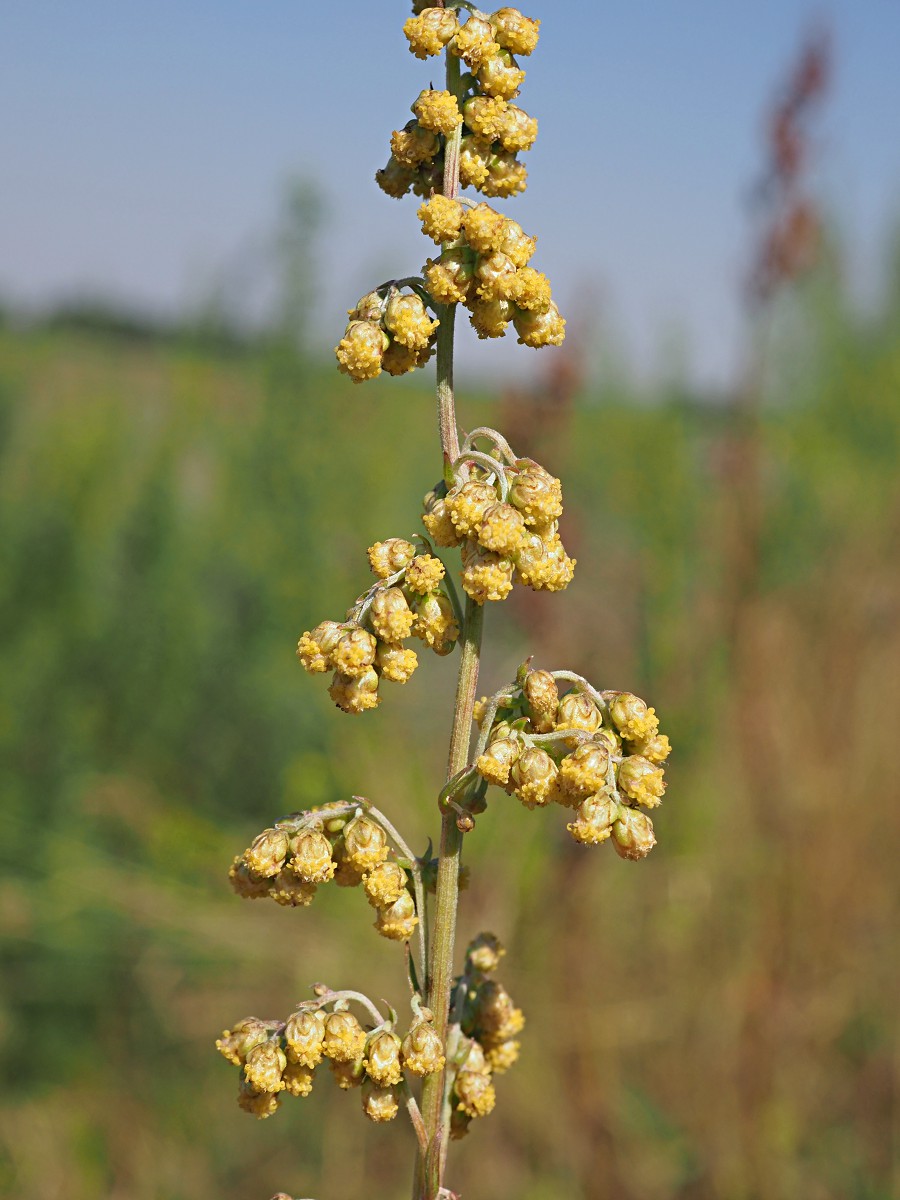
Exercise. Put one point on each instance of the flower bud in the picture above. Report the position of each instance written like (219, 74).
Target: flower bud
(414, 145)
(495, 1014)
(397, 921)
(384, 884)
(484, 228)
(484, 115)
(311, 860)
(247, 885)
(344, 1038)
(354, 651)
(583, 773)
(390, 616)
(594, 819)
(430, 31)
(408, 322)
(235, 1044)
(423, 1051)
(355, 695)
(395, 663)
(369, 308)
(450, 278)
(484, 953)
(297, 1079)
(474, 1093)
(441, 218)
(534, 774)
(489, 318)
(641, 780)
(395, 179)
(496, 762)
(506, 176)
(303, 1036)
(578, 711)
(536, 494)
(400, 359)
(348, 873)
(267, 853)
(263, 1067)
(348, 1074)
(314, 648)
(428, 177)
(365, 842)
(260, 1104)
(530, 289)
(502, 1055)
(656, 749)
(631, 716)
(436, 520)
(474, 162)
(435, 622)
(515, 245)
(382, 1061)
(471, 1057)
(291, 891)
(437, 111)
(485, 576)
(515, 32)
(379, 1103)
(475, 42)
(632, 834)
(502, 529)
(387, 558)
(495, 276)
(467, 503)
(538, 329)
(516, 130)
(499, 75)
(360, 349)
(424, 574)
(542, 696)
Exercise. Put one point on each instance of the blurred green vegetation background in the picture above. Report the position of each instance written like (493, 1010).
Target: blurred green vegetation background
(178, 505)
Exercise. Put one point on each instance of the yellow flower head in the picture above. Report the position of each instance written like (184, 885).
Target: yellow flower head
(414, 145)
(441, 218)
(531, 290)
(641, 780)
(303, 1035)
(484, 228)
(594, 820)
(360, 350)
(489, 318)
(430, 31)
(538, 329)
(386, 558)
(475, 42)
(423, 1051)
(379, 1103)
(390, 615)
(484, 115)
(355, 694)
(502, 529)
(499, 75)
(344, 1038)
(437, 111)
(485, 576)
(514, 32)
(424, 574)
(395, 663)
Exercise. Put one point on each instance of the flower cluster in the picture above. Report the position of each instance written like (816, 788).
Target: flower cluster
(494, 131)
(483, 264)
(484, 1041)
(505, 517)
(281, 1057)
(407, 601)
(389, 330)
(339, 842)
(599, 753)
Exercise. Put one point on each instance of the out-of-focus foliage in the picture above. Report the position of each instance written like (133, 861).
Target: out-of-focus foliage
(715, 1022)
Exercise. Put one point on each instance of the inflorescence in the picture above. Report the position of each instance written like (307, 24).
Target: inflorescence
(483, 258)
(409, 600)
(598, 753)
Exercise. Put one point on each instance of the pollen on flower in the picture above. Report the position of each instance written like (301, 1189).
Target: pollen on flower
(441, 218)
(430, 31)
(484, 228)
(437, 111)
(424, 574)
(360, 350)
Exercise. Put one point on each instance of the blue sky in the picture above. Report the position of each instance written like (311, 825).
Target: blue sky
(144, 145)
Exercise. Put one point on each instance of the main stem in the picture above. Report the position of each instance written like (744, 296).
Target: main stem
(430, 1169)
